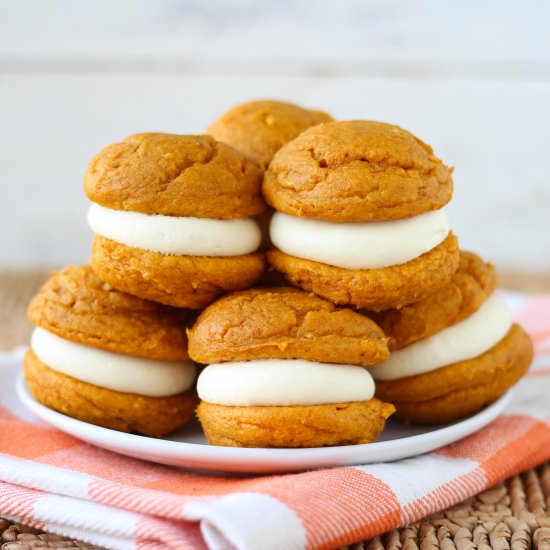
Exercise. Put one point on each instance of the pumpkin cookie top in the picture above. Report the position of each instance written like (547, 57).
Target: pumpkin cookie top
(175, 175)
(468, 289)
(284, 323)
(356, 171)
(260, 128)
(76, 305)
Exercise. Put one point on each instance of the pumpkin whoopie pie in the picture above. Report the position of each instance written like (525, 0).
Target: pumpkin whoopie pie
(172, 217)
(260, 128)
(109, 358)
(359, 216)
(453, 352)
(286, 369)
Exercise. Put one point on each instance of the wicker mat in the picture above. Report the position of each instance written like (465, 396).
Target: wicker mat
(514, 515)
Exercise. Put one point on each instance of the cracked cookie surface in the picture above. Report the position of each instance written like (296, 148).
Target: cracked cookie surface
(284, 323)
(180, 281)
(175, 175)
(260, 128)
(76, 305)
(469, 287)
(357, 171)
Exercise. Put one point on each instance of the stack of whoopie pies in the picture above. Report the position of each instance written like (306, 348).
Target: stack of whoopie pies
(385, 312)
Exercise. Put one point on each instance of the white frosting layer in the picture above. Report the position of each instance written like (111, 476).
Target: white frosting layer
(178, 236)
(467, 339)
(358, 245)
(283, 382)
(113, 371)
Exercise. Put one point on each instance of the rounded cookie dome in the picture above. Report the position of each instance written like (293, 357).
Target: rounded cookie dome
(260, 128)
(357, 170)
(284, 323)
(175, 175)
(76, 305)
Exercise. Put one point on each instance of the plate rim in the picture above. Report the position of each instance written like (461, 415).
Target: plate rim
(132, 442)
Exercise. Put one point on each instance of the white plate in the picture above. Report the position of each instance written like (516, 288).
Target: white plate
(188, 447)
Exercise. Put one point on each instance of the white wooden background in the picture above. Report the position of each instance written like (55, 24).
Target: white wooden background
(470, 77)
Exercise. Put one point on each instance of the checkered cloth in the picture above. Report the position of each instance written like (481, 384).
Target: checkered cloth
(55, 482)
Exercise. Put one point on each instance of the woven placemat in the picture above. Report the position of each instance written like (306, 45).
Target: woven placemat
(513, 515)
(15, 536)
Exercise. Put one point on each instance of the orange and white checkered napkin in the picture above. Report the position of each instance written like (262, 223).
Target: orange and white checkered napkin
(55, 482)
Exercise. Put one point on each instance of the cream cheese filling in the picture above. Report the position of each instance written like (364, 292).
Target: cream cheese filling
(123, 373)
(359, 245)
(467, 339)
(179, 236)
(283, 382)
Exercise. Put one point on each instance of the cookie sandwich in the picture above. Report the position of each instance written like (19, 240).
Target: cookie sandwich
(360, 218)
(260, 128)
(453, 352)
(286, 369)
(109, 358)
(172, 218)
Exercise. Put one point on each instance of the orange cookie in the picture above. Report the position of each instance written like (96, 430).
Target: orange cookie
(284, 323)
(109, 358)
(125, 412)
(462, 388)
(76, 305)
(173, 218)
(357, 171)
(359, 216)
(374, 289)
(260, 128)
(180, 281)
(455, 351)
(287, 371)
(175, 175)
(294, 426)
(469, 287)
